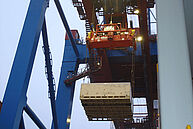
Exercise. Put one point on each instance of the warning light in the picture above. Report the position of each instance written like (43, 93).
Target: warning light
(136, 11)
(139, 38)
(68, 120)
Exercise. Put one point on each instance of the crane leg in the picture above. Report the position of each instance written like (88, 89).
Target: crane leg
(15, 95)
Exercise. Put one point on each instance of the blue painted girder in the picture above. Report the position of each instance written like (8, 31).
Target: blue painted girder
(65, 93)
(15, 95)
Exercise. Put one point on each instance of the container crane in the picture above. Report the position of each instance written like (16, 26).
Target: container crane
(121, 65)
(113, 37)
(116, 54)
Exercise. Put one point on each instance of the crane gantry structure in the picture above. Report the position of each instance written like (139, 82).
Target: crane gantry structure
(115, 52)
(106, 52)
(74, 54)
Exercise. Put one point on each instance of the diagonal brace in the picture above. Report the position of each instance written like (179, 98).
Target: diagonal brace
(49, 73)
(33, 116)
(65, 23)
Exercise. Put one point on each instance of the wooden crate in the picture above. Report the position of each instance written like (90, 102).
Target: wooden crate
(107, 101)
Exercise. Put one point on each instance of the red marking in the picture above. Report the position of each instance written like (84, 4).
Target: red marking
(0, 105)
(75, 35)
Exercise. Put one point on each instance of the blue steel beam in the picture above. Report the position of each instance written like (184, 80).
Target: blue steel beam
(50, 76)
(15, 94)
(33, 116)
(65, 93)
(149, 20)
(65, 23)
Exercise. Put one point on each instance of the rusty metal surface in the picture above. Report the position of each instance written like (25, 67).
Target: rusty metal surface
(120, 72)
(142, 5)
(104, 74)
(90, 13)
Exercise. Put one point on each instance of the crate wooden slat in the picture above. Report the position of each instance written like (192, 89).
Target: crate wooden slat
(107, 101)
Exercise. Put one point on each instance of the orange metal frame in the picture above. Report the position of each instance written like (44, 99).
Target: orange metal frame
(112, 36)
